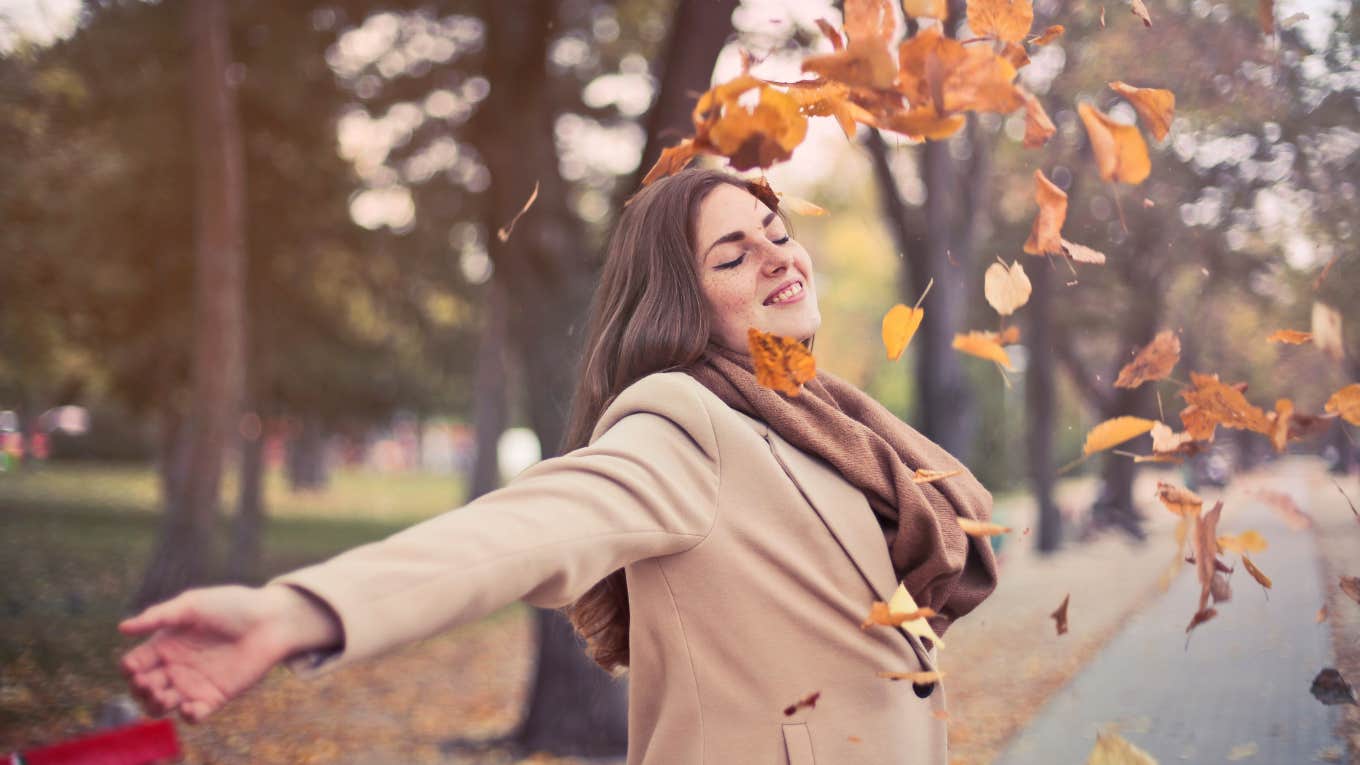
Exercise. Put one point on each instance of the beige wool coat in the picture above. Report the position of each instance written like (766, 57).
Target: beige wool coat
(750, 567)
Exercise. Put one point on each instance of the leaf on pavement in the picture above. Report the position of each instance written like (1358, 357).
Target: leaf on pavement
(1153, 362)
(781, 363)
(1330, 688)
(1114, 432)
(1155, 106)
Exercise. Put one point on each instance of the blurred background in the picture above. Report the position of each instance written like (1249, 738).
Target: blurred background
(248, 321)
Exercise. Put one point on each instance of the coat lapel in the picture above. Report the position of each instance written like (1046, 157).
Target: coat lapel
(847, 515)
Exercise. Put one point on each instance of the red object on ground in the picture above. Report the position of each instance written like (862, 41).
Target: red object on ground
(140, 744)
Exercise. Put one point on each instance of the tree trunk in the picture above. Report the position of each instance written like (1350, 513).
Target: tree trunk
(243, 563)
(490, 395)
(183, 555)
(1040, 405)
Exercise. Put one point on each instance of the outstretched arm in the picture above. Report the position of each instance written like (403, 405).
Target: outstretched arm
(209, 645)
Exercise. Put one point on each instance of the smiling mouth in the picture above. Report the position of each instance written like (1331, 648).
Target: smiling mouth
(788, 293)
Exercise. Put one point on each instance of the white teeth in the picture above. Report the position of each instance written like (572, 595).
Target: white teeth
(787, 292)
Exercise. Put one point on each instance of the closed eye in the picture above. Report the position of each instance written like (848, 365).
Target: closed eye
(734, 263)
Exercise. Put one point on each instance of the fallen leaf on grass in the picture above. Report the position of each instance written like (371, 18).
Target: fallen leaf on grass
(1115, 431)
(1331, 688)
(982, 528)
(1060, 616)
(1291, 336)
(781, 363)
(1153, 362)
(504, 233)
(1112, 749)
(918, 678)
(927, 476)
(1256, 573)
(1346, 402)
(1351, 586)
(809, 701)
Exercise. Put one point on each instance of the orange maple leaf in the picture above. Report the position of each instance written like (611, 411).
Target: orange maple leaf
(1007, 20)
(1346, 402)
(1120, 152)
(781, 363)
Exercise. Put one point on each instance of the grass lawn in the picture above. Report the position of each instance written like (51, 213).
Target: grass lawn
(75, 539)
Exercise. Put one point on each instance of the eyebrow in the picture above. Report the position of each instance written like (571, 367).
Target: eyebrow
(735, 236)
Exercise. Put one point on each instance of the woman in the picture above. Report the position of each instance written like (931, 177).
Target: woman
(720, 540)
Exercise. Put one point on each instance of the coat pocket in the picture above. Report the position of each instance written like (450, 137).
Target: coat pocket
(798, 744)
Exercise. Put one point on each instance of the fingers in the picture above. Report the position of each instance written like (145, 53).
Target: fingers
(173, 612)
(195, 711)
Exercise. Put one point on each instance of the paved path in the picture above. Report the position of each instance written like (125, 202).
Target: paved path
(1238, 692)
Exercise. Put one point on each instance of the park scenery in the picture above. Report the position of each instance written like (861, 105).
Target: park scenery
(279, 279)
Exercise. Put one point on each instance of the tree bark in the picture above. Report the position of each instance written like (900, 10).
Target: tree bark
(183, 555)
(1040, 405)
(490, 395)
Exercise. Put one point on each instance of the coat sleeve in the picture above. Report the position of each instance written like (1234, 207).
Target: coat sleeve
(646, 486)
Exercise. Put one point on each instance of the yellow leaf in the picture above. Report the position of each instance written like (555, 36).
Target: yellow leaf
(1038, 127)
(1279, 433)
(928, 476)
(984, 345)
(1179, 501)
(899, 324)
(926, 9)
(1346, 402)
(903, 603)
(1256, 573)
(781, 363)
(1045, 236)
(881, 615)
(1007, 20)
(922, 124)
(1110, 749)
(1006, 289)
(1120, 152)
(1048, 35)
(982, 528)
(1115, 431)
(1291, 336)
(1247, 541)
(1155, 106)
(919, 678)
(799, 206)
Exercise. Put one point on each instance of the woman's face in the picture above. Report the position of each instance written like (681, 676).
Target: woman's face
(751, 272)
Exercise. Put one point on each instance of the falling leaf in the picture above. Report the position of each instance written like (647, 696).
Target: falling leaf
(1179, 501)
(799, 206)
(1224, 405)
(1243, 751)
(1346, 402)
(926, 9)
(1155, 106)
(1198, 424)
(504, 233)
(917, 678)
(929, 476)
(1111, 749)
(831, 34)
(1351, 586)
(1006, 289)
(1047, 36)
(881, 615)
(1038, 127)
(1045, 236)
(759, 136)
(899, 325)
(869, 19)
(1114, 432)
(809, 701)
(865, 63)
(781, 363)
(1291, 336)
(1137, 8)
(1154, 362)
(760, 189)
(1120, 152)
(1204, 544)
(982, 528)
(1327, 331)
(1280, 419)
(673, 159)
(1171, 445)
(1330, 688)
(984, 345)
(1082, 254)
(1256, 573)
(1015, 54)
(827, 98)
(1007, 20)
(1102, 17)
(1059, 616)
(923, 124)
(1201, 616)
(1285, 507)
(903, 603)
(1321, 615)
(1247, 541)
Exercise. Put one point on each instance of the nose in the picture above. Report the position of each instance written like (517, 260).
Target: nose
(777, 259)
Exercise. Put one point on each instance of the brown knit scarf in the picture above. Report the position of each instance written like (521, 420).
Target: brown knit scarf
(943, 568)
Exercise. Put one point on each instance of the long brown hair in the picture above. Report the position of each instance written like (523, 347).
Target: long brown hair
(648, 315)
